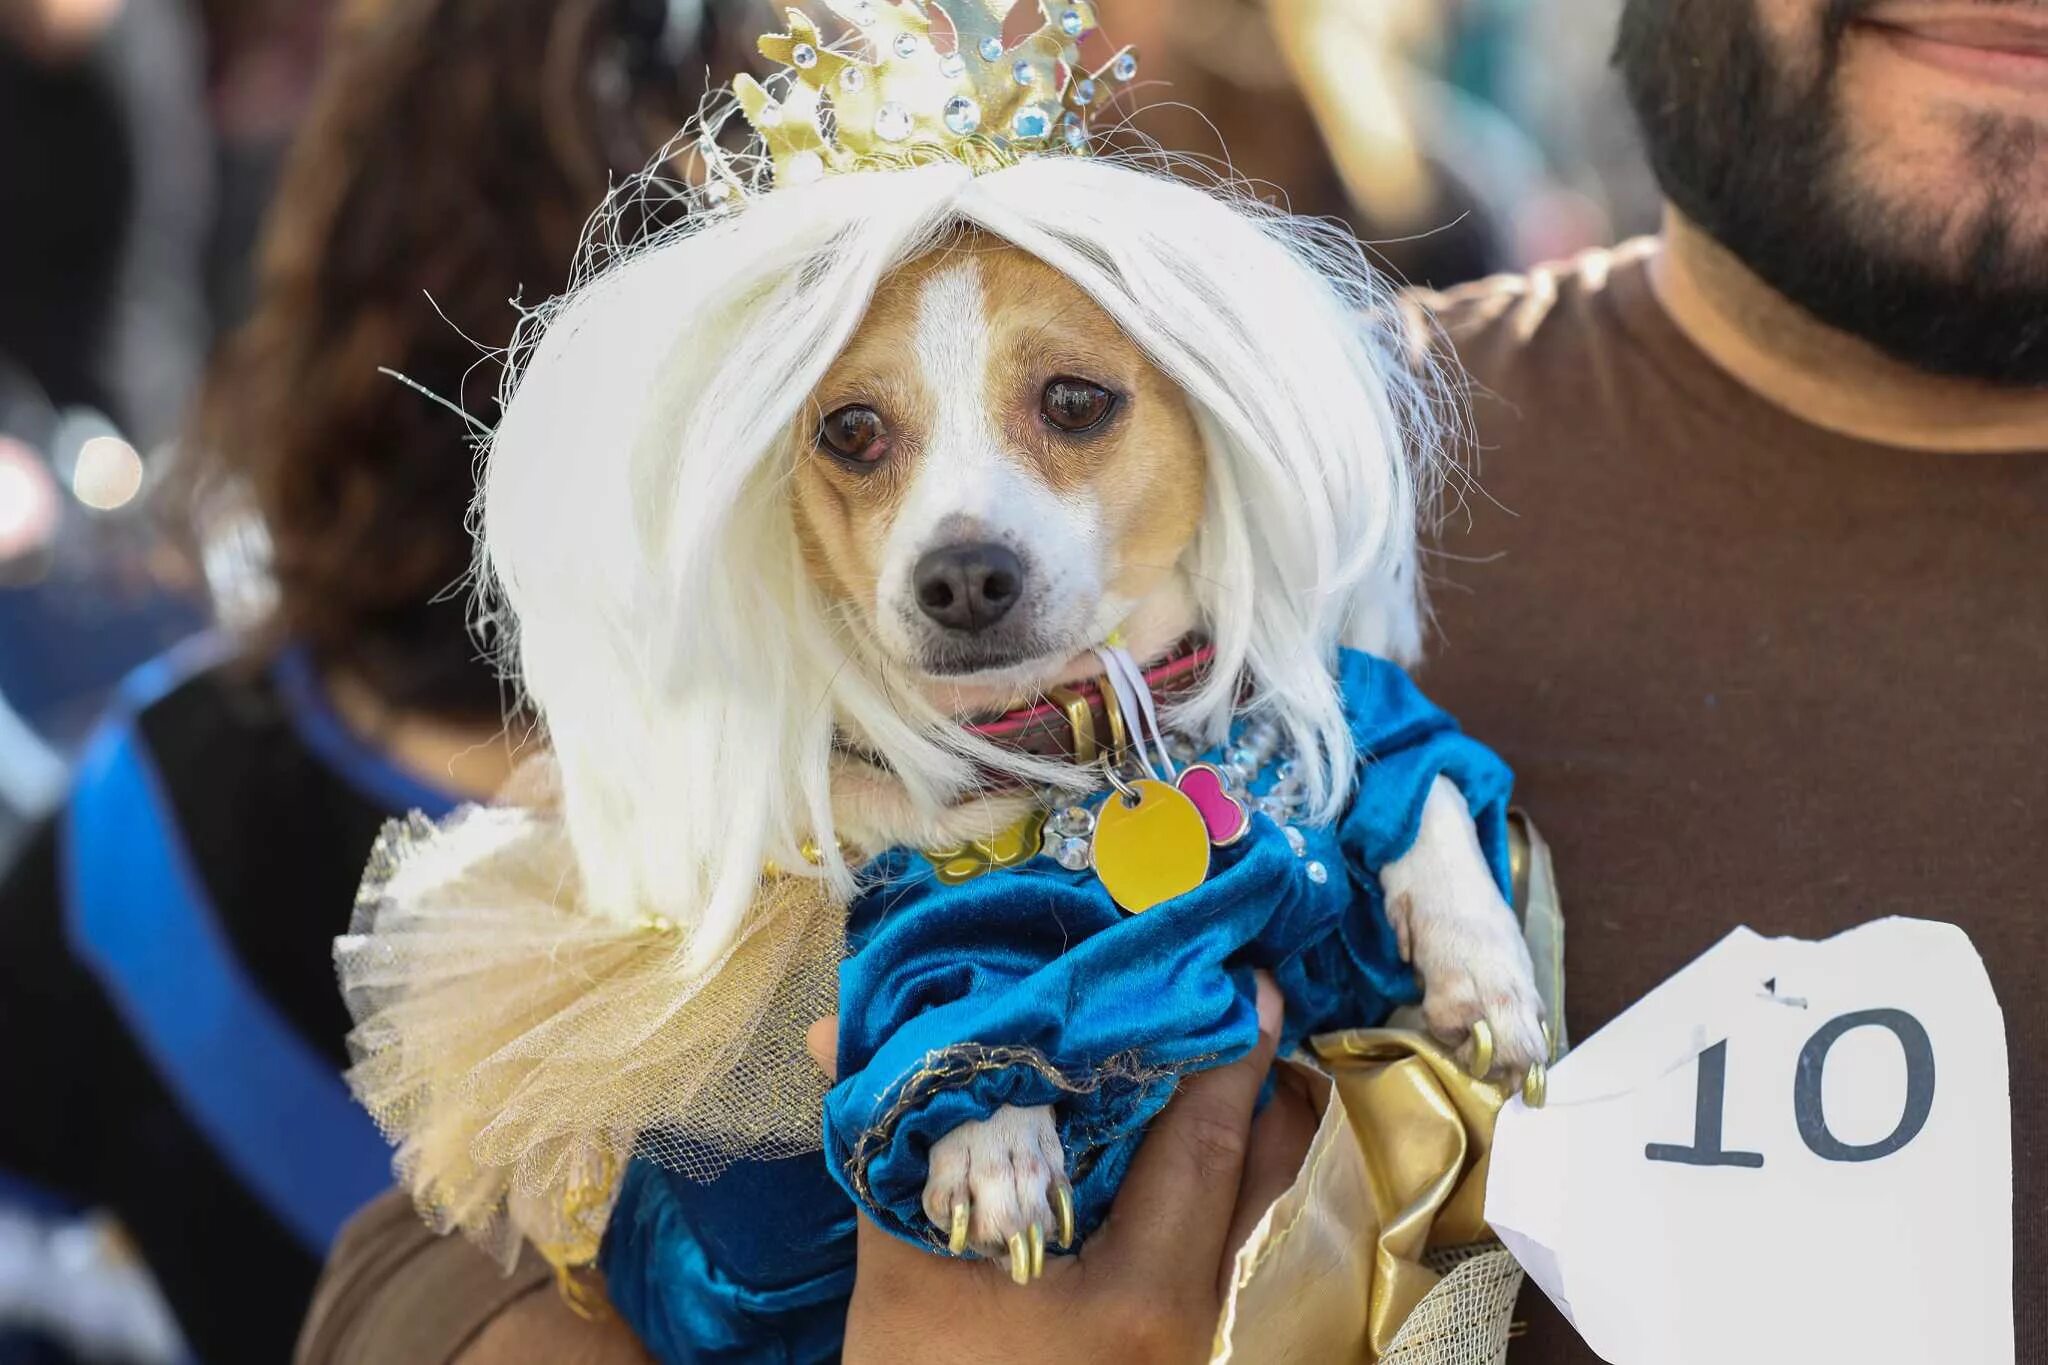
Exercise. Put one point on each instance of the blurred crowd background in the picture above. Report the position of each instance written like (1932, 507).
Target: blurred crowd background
(144, 146)
(140, 147)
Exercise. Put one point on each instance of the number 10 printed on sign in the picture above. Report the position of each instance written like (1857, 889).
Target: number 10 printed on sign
(1789, 1152)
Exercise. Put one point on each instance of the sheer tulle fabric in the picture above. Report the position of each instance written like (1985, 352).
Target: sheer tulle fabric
(517, 1051)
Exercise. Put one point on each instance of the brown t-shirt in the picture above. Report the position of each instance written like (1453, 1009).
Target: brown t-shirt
(1747, 671)
(432, 1295)
(394, 1293)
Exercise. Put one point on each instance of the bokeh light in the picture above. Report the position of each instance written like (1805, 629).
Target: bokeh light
(108, 474)
(28, 500)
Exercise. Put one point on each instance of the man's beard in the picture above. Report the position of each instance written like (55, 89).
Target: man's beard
(1757, 157)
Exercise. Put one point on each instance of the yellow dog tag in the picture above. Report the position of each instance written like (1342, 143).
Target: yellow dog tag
(1150, 849)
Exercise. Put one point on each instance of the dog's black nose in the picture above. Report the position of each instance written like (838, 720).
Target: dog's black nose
(969, 587)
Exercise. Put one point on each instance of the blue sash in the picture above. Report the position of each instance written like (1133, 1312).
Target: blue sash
(137, 914)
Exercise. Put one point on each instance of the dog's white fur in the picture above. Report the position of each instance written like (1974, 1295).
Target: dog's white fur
(975, 480)
(636, 530)
(1463, 939)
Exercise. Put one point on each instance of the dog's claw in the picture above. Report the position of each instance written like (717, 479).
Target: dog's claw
(1481, 1064)
(1533, 1080)
(1027, 1248)
(1063, 1205)
(990, 1181)
(1536, 1086)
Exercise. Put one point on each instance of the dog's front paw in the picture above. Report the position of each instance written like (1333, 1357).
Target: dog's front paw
(999, 1187)
(1475, 969)
(1450, 921)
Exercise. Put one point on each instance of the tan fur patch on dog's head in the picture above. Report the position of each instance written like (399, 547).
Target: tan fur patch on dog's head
(953, 374)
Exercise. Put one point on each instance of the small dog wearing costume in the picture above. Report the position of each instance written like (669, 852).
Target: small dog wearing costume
(964, 580)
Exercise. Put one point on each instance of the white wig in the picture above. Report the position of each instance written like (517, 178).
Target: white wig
(637, 533)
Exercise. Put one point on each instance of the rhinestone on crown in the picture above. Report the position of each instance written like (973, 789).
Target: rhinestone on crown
(1031, 123)
(963, 115)
(903, 101)
(892, 123)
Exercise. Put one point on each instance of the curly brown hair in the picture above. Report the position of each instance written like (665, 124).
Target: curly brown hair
(450, 157)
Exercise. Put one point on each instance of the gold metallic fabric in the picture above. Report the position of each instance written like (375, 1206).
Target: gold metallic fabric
(1395, 1175)
(1379, 1251)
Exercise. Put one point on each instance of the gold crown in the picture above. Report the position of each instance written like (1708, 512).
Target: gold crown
(983, 102)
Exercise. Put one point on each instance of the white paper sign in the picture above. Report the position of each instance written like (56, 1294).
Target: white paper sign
(1789, 1152)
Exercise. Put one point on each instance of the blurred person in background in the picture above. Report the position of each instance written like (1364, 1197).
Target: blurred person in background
(1559, 84)
(1752, 585)
(1456, 137)
(105, 190)
(1308, 101)
(166, 981)
(261, 60)
(138, 143)
(105, 203)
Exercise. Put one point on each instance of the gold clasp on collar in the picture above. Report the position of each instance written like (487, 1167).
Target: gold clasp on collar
(1080, 719)
(1080, 714)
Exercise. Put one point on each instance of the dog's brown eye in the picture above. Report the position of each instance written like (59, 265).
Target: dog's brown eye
(855, 434)
(1076, 406)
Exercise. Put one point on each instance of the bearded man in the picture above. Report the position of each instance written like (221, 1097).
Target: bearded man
(1755, 597)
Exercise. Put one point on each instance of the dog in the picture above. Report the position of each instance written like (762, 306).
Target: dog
(784, 507)
(929, 430)
(996, 480)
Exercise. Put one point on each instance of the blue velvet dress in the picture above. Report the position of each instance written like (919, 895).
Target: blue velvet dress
(1030, 986)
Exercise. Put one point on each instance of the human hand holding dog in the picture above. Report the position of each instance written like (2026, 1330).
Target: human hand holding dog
(1146, 1287)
